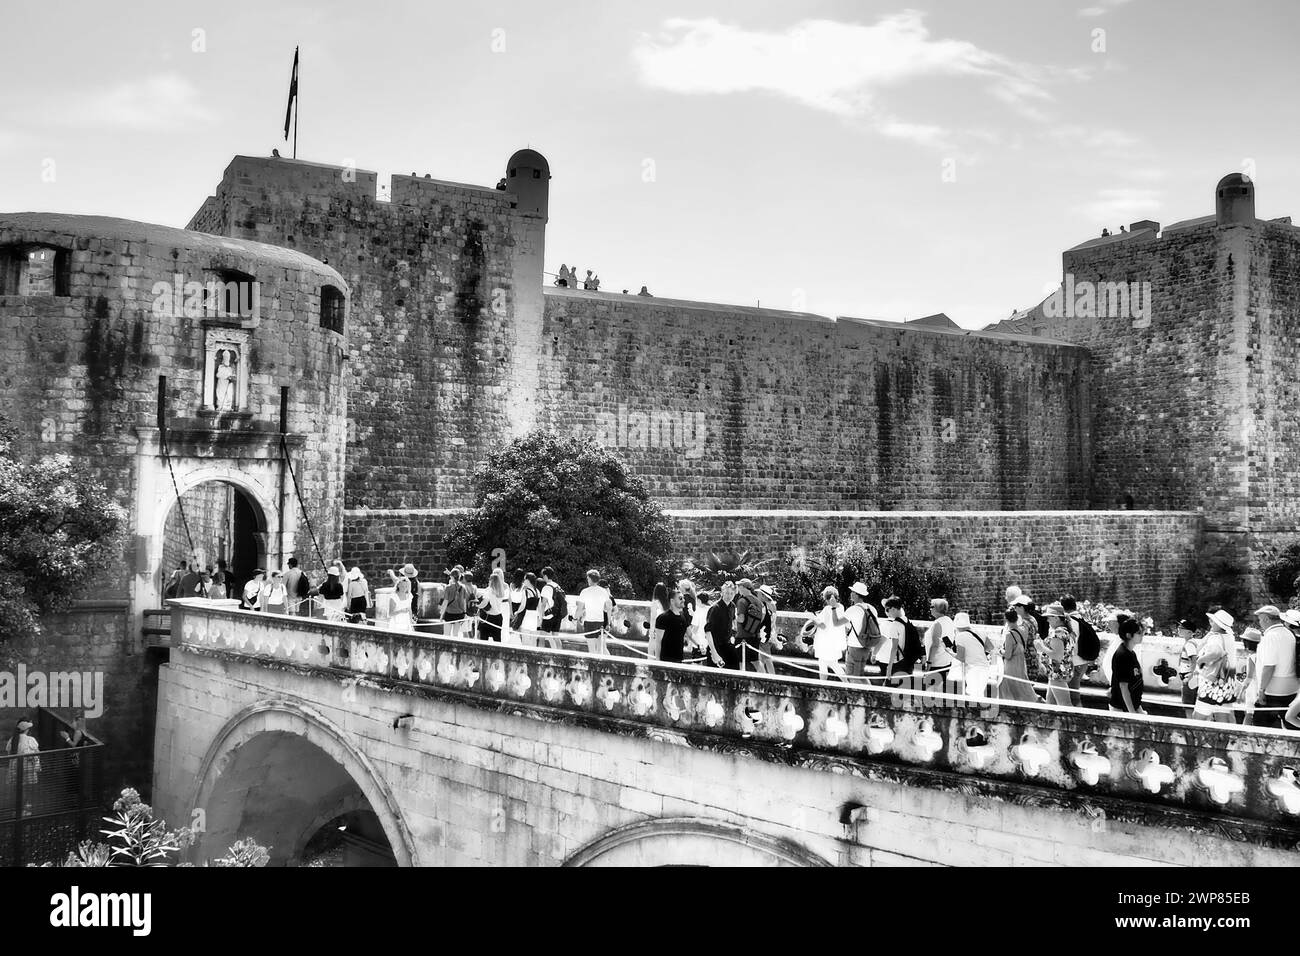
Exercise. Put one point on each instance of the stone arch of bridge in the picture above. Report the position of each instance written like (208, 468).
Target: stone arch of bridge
(275, 769)
(691, 841)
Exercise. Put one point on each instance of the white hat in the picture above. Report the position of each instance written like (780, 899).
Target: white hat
(1291, 616)
(961, 621)
(1022, 600)
(1270, 609)
(1222, 618)
(333, 571)
(860, 588)
(354, 573)
(409, 570)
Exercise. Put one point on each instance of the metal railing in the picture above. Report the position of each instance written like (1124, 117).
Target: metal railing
(50, 800)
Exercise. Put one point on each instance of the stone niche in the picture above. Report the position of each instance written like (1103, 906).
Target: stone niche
(225, 369)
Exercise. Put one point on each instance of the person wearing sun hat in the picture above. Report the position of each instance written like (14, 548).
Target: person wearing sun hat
(23, 743)
(357, 591)
(973, 654)
(864, 630)
(1216, 670)
(1189, 647)
(1057, 654)
(332, 594)
(1278, 682)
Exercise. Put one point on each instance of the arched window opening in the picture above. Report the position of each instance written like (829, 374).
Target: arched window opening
(332, 304)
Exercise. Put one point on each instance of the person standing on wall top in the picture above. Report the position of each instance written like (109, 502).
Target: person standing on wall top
(562, 280)
(864, 631)
(1087, 646)
(595, 604)
(719, 629)
(1126, 682)
(587, 283)
(298, 588)
(1278, 682)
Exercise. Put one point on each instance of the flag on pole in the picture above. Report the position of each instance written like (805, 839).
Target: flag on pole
(293, 93)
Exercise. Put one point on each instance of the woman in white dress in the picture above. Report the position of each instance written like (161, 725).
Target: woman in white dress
(399, 609)
(1216, 669)
(830, 630)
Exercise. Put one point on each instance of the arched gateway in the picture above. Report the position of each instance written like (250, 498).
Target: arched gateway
(277, 772)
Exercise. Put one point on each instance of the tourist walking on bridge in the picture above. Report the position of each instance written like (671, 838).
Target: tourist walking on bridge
(493, 606)
(1189, 648)
(452, 607)
(358, 595)
(1216, 671)
(864, 631)
(1057, 655)
(1126, 681)
(400, 617)
(829, 630)
(938, 640)
(658, 606)
(973, 655)
(1277, 666)
(331, 594)
(719, 629)
(553, 605)
(1015, 684)
(595, 604)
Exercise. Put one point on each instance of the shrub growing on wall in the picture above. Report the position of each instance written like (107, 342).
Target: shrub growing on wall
(546, 500)
(1281, 573)
(886, 570)
(57, 528)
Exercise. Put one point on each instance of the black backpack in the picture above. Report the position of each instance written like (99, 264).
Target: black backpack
(1089, 643)
(560, 602)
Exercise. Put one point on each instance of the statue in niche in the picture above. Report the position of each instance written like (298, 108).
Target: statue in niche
(224, 386)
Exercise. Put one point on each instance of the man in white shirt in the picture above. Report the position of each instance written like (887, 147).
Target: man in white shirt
(973, 654)
(1277, 666)
(594, 607)
(938, 638)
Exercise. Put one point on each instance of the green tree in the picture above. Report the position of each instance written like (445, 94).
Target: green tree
(57, 528)
(546, 500)
(885, 570)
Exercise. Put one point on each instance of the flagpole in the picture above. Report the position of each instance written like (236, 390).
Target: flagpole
(297, 103)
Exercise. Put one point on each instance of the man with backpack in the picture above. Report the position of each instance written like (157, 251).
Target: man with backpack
(864, 633)
(749, 614)
(298, 588)
(552, 604)
(1087, 646)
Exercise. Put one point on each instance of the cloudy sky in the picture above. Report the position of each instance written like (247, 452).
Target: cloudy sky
(849, 158)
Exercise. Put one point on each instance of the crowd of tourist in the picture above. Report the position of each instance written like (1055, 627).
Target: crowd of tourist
(1039, 654)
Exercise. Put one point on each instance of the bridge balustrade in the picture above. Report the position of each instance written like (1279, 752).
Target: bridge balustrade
(1240, 781)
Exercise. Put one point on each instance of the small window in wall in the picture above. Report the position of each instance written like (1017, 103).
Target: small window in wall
(331, 309)
(35, 270)
(229, 294)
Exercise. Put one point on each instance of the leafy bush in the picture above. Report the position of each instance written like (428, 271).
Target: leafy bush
(57, 528)
(546, 500)
(136, 838)
(884, 569)
(1282, 573)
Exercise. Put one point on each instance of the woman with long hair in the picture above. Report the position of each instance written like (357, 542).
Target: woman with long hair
(686, 588)
(400, 617)
(658, 605)
(492, 606)
(517, 599)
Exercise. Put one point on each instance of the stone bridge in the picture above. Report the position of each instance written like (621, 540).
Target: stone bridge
(446, 751)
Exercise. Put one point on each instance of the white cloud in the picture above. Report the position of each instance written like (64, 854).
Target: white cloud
(1103, 8)
(1119, 205)
(161, 101)
(826, 65)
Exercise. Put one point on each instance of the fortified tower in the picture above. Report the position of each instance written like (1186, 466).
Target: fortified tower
(201, 380)
(528, 178)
